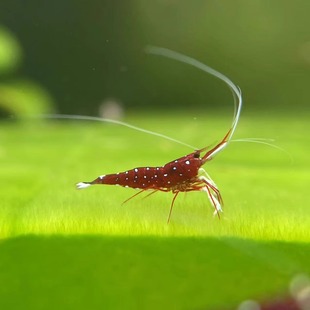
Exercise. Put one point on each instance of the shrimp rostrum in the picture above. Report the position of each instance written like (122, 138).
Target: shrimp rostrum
(184, 174)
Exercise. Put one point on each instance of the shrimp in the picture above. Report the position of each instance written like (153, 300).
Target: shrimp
(184, 174)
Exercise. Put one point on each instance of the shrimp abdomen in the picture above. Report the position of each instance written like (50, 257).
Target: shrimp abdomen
(143, 177)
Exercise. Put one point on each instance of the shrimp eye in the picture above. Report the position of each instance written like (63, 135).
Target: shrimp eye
(197, 155)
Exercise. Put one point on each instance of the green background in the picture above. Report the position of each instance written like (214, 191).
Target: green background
(68, 249)
(85, 52)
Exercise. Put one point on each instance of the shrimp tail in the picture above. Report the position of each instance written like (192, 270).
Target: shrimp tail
(82, 185)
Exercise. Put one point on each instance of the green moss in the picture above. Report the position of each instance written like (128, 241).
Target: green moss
(143, 272)
(264, 192)
(84, 249)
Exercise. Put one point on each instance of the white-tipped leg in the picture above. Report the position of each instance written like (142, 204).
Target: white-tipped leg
(218, 207)
(82, 185)
(206, 175)
(212, 191)
(213, 199)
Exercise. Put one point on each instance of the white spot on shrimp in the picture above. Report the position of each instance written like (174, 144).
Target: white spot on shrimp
(155, 175)
(126, 172)
(166, 174)
(168, 182)
(136, 177)
(147, 168)
(144, 177)
(136, 170)
(102, 176)
(181, 174)
(126, 179)
(187, 162)
(176, 161)
(174, 168)
(126, 186)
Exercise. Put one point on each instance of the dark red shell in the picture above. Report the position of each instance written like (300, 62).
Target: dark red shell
(168, 177)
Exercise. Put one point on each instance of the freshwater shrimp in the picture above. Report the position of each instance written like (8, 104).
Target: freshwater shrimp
(183, 174)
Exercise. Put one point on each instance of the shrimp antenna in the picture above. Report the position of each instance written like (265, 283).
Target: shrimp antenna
(108, 120)
(195, 63)
(182, 58)
(267, 142)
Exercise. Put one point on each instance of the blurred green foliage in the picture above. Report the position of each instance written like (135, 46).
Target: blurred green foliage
(10, 51)
(85, 52)
(19, 97)
(24, 98)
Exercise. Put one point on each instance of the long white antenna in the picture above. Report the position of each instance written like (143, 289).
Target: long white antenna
(182, 58)
(195, 63)
(160, 51)
(108, 120)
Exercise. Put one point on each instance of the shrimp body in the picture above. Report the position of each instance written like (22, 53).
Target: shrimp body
(185, 173)
(180, 175)
(168, 177)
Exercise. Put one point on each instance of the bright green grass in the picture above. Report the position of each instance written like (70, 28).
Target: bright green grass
(265, 193)
(127, 253)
